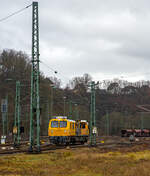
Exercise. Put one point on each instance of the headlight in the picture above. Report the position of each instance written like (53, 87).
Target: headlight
(65, 131)
(52, 131)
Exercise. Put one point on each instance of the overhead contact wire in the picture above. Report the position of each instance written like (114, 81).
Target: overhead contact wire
(5, 18)
(55, 71)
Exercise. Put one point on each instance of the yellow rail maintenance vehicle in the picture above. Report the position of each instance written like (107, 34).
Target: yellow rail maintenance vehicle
(65, 131)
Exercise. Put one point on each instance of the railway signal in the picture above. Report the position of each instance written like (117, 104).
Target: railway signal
(4, 108)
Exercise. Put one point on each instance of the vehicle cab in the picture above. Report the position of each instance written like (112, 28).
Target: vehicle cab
(60, 129)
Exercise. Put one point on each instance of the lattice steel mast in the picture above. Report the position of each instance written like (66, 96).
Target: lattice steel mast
(93, 130)
(17, 114)
(35, 104)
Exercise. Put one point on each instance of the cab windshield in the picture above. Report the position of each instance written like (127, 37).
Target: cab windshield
(54, 124)
(63, 124)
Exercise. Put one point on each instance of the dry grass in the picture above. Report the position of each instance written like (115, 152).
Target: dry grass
(77, 162)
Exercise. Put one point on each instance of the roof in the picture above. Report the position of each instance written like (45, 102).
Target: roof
(60, 117)
(84, 121)
(63, 118)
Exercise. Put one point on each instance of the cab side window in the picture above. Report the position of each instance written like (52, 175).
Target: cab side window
(82, 125)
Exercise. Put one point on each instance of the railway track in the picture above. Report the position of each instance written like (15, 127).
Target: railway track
(49, 147)
(44, 148)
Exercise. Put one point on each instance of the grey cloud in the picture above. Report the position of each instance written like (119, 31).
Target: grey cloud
(83, 36)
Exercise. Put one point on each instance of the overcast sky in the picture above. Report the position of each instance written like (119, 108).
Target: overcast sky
(105, 38)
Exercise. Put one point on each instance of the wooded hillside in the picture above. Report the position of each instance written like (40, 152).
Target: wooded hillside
(116, 100)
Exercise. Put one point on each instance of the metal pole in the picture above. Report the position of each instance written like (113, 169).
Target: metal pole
(107, 123)
(76, 110)
(17, 114)
(7, 123)
(51, 101)
(18, 111)
(47, 116)
(142, 121)
(70, 109)
(92, 119)
(3, 117)
(64, 105)
(15, 119)
(35, 99)
(91, 115)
